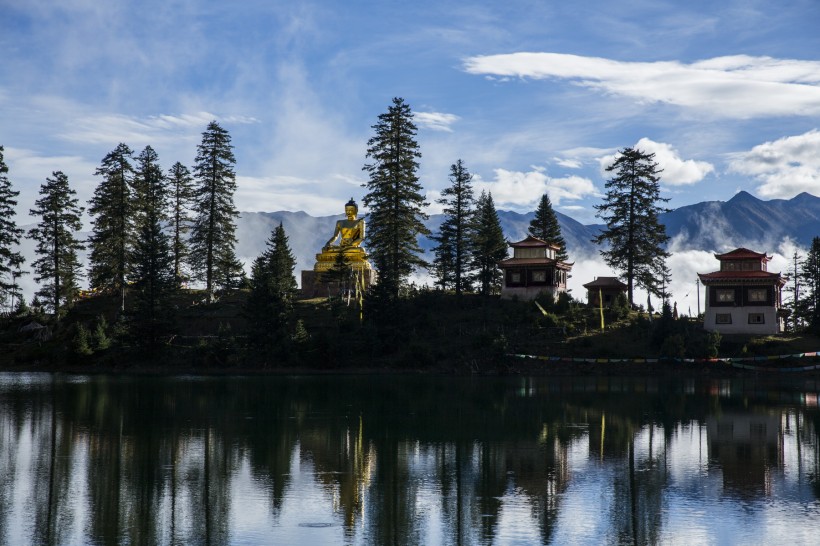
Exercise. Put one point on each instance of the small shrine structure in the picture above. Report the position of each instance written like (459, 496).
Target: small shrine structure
(340, 264)
(606, 288)
(533, 269)
(743, 297)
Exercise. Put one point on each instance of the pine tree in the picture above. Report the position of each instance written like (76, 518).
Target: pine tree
(792, 293)
(394, 198)
(230, 272)
(545, 226)
(634, 232)
(152, 264)
(213, 234)
(57, 269)
(443, 269)
(452, 264)
(11, 260)
(181, 190)
(273, 290)
(490, 246)
(808, 305)
(112, 208)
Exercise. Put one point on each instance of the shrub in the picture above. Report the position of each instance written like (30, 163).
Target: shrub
(100, 336)
(80, 343)
(673, 346)
(713, 344)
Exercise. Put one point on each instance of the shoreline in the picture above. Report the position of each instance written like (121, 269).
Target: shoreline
(507, 367)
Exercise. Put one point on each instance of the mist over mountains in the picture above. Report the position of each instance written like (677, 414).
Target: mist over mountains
(713, 226)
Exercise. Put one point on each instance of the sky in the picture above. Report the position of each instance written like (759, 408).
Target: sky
(533, 96)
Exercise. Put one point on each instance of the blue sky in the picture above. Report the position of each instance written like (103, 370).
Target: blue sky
(533, 96)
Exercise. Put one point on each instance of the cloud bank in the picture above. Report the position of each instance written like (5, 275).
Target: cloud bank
(676, 171)
(737, 86)
(521, 190)
(437, 121)
(785, 167)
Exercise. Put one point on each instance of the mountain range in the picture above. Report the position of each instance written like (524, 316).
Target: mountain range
(716, 226)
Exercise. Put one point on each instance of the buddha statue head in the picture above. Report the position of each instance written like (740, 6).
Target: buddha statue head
(351, 209)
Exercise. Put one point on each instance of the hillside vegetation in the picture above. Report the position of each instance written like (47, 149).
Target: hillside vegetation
(426, 330)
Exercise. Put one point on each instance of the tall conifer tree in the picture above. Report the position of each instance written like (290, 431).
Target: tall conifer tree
(634, 233)
(394, 198)
(213, 234)
(545, 226)
(808, 304)
(454, 256)
(273, 290)
(112, 209)
(57, 268)
(181, 194)
(152, 270)
(490, 246)
(11, 259)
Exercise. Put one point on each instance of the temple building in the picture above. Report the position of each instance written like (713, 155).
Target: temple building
(606, 288)
(743, 297)
(533, 269)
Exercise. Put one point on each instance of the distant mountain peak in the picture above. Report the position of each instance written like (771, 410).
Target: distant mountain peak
(742, 196)
(804, 196)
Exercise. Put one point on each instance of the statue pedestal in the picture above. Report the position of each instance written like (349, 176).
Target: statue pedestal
(314, 287)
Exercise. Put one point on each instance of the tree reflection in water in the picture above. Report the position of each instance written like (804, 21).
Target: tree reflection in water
(400, 460)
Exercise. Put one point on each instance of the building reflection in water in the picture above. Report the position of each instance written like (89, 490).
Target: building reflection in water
(748, 448)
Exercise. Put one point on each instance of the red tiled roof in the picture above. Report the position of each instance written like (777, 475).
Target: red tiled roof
(742, 254)
(531, 242)
(740, 276)
(514, 262)
(606, 282)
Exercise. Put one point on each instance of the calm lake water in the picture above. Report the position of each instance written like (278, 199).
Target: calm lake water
(407, 460)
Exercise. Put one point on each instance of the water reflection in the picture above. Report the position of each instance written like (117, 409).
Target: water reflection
(405, 460)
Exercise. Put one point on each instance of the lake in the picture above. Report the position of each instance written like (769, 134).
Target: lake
(407, 459)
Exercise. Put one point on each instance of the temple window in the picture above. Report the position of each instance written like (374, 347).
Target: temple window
(757, 295)
(529, 253)
(723, 318)
(725, 295)
(539, 276)
(756, 318)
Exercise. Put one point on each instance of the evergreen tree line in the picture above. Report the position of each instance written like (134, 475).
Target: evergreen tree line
(470, 241)
(152, 230)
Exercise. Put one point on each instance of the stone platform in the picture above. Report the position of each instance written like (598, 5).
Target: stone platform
(314, 287)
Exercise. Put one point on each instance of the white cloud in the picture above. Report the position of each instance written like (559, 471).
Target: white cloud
(568, 163)
(517, 190)
(437, 121)
(28, 171)
(676, 171)
(738, 86)
(151, 130)
(270, 194)
(785, 167)
(432, 197)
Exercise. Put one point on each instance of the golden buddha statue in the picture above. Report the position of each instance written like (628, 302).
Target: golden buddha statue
(350, 233)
